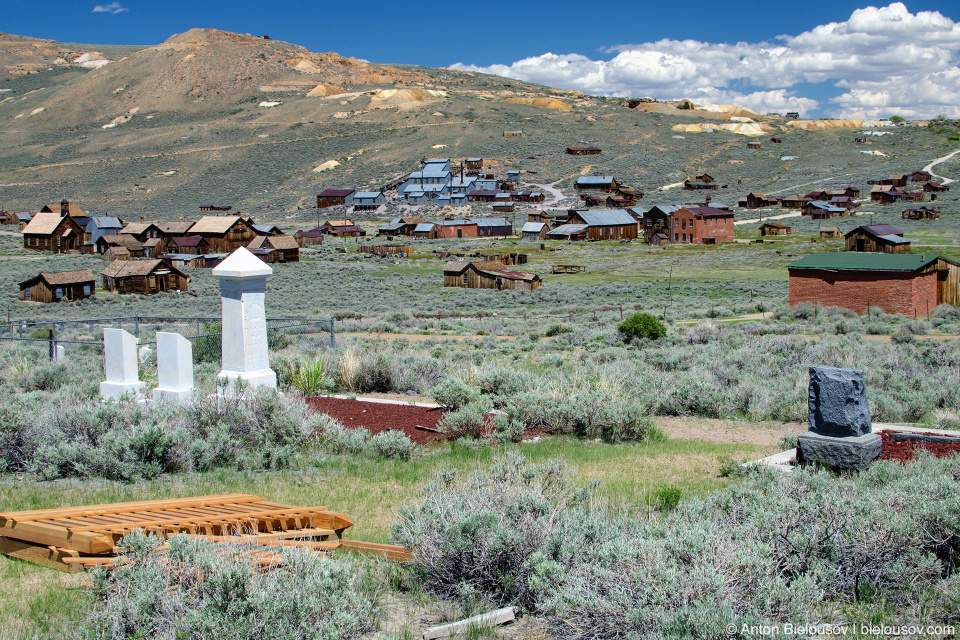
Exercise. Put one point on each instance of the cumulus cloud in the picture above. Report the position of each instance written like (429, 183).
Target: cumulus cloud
(113, 7)
(887, 60)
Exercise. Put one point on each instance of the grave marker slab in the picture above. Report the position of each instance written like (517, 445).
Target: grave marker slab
(120, 365)
(174, 368)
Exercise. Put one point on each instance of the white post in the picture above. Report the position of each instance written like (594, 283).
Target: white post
(120, 365)
(174, 368)
(243, 284)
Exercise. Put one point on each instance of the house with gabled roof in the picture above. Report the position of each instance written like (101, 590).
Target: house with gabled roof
(597, 224)
(877, 238)
(488, 275)
(596, 183)
(341, 229)
(145, 277)
(276, 249)
(402, 226)
(820, 210)
(534, 231)
(59, 286)
(334, 197)
(51, 232)
(142, 230)
(64, 208)
(224, 234)
(135, 248)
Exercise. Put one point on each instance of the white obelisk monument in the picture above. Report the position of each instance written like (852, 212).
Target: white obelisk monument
(243, 284)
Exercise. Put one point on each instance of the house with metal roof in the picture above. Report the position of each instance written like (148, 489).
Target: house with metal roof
(534, 231)
(820, 210)
(102, 226)
(877, 238)
(493, 227)
(596, 183)
(598, 224)
(910, 284)
(426, 230)
(334, 197)
(368, 199)
(399, 227)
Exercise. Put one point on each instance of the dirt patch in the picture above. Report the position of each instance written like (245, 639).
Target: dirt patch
(377, 417)
(727, 431)
(896, 447)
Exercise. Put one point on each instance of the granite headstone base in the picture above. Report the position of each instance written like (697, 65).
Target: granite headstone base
(839, 454)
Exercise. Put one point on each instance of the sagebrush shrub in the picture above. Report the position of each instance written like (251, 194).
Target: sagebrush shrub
(454, 393)
(391, 444)
(642, 326)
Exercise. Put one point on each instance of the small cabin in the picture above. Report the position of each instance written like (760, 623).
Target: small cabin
(488, 275)
(146, 277)
(921, 176)
(427, 230)
(877, 238)
(334, 197)
(776, 229)
(934, 187)
(368, 199)
(534, 231)
(754, 145)
(280, 248)
(830, 232)
(313, 237)
(59, 286)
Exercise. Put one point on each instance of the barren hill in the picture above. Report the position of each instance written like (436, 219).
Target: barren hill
(210, 116)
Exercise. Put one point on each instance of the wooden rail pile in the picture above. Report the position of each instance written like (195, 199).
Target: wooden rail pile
(385, 249)
(567, 268)
(73, 538)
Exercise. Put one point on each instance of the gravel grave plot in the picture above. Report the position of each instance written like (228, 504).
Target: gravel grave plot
(377, 417)
(895, 448)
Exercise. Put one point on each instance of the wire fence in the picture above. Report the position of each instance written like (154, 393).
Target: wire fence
(203, 331)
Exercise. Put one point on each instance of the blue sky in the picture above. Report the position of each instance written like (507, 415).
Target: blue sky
(616, 48)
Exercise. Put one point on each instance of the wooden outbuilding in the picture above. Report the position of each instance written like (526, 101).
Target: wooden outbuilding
(776, 229)
(488, 275)
(426, 230)
(224, 234)
(754, 144)
(146, 277)
(334, 197)
(793, 202)
(830, 232)
(534, 231)
(49, 231)
(280, 248)
(910, 284)
(934, 187)
(603, 224)
(877, 238)
(920, 213)
(312, 237)
(59, 286)
(584, 151)
(921, 176)
(116, 252)
(596, 183)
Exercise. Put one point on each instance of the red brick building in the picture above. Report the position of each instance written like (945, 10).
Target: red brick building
(701, 225)
(909, 284)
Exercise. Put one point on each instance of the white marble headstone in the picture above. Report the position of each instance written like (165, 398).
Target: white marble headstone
(120, 364)
(243, 284)
(59, 353)
(174, 368)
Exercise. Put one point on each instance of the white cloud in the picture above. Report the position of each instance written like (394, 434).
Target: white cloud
(887, 60)
(113, 7)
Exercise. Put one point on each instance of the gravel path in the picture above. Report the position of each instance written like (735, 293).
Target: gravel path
(929, 167)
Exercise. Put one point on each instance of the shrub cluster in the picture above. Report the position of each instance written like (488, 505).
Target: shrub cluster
(800, 548)
(196, 589)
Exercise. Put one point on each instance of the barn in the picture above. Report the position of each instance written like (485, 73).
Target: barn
(877, 238)
(146, 277)
(488, 275)
(909, 284)
(58, 286)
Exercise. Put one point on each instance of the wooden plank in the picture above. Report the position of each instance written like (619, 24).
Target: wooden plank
(45, 534)
(293, 534)
(287, 512)
(51, 557)
(500, 616)
(127, 507)
(388, 551)
(82, 562)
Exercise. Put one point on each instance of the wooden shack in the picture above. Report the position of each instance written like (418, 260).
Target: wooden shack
(513, 134)
(146, 277)
(488, 275)
(51, 232)
(921, 176)
(920, 213)
(224, 234)
(341, 229)
(877, 238)
(280, 248)
(135, 248)
(58, 286)
(194, 245)
(754, 145)
(334, 197)
(142, 231)
(830, 232)
(934, 187)
(312, 237)
(426, 230)
(116, 252)
(583, 151)
(757, 201)
(776, 229)
(534, 231)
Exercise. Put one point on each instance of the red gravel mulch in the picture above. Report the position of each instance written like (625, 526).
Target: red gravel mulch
(380, 416)
(903, 450)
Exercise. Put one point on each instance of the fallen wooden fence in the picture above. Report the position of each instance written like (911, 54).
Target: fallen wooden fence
(385, 249)
(76, 537)
(567, 268)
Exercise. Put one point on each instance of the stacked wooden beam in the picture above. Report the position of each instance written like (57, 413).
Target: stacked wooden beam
(72, 538)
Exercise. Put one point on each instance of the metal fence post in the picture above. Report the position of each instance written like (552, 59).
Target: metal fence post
(332, 340)
(136, 326)
(53, 342)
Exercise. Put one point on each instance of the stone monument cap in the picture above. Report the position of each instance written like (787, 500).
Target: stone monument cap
(242, 264)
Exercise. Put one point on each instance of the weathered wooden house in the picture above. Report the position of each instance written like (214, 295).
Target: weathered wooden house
(534, 231)
(776, 229)
(820, 210)
(146, 277)
(64, 208)
(494, 227)
(820, 195)
(334, 197)
(134, 247)
(142, 231)
(539, 216)
(877, 238)
(596, 183)
(280, 248)
(702, 225)
(184, 260)
(426, 230)
(191, 245)
(584, 151)
(526, 196)
(619, 202)
(473, 166)
(910, 284)
(655, 220)
(754, 144)
(268, 229)
(793, 202)
(59, 286)
(116, 252)
(49, 231)
(603, 224)
(224, 234)
(885, 194)
(309, 238)
(504, 206)
(921, 176)
(341, 229)
(830, 232)
(934, 187)
(400, 226)
(20, 219)
(920, 213)
(895, 180)
(178, 228)
(488, 275)
(757, 201)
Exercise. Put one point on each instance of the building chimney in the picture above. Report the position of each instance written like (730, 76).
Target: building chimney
(142, 219)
